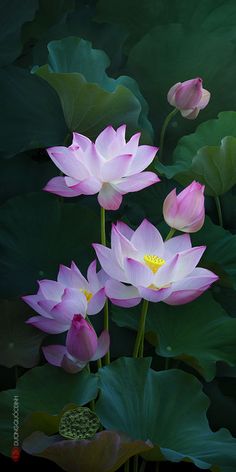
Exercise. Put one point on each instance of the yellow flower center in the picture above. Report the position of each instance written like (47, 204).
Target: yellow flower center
(87, 294)
(153, 262)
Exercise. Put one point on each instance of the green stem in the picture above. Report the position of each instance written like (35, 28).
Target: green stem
(106, 311)
(170, 234)
(126, 467)
(99, 363)
(219, 211)
(143, 466)
(141, 328)
(135, 464)
(92, 402)
(141, 346)
(103, 227)
(106, 327)
(163, 131)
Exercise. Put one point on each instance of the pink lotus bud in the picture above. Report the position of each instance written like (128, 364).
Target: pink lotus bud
(81, 340)
(189, 97)
(185, 212)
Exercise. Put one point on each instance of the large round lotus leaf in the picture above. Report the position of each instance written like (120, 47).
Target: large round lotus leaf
(208, 155)
(139, 17)
(78, 74)
(74, 54)
(44, 389)
(168, 408)
(105, 453)
(38, 232)
(19, 342)
(220, 254)
(27, 172)
(10, 27)
(164, 56)
(33, 117)
(87, 107)
(200, 333)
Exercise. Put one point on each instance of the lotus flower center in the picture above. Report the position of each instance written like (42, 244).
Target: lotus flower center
(153, 262)
(87, 294)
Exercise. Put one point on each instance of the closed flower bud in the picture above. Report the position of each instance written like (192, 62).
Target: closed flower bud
(81, 340)
(186, 211)
(189, 97)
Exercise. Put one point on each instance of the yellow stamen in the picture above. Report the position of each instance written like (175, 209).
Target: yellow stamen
(153, 262)
(87, 294)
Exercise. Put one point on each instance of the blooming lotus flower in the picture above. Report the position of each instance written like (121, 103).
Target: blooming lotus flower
(82, 346)
(110, 167)
(156, 270)
(189, 97)
(58, 301)
(186, 211)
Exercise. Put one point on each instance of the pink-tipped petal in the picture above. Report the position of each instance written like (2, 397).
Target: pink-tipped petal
(120, 134)
(102, 346)
(153, 295)
(73, 302)
(81, 279)
(102, 278)
(71, 365)
(191, 287)
(32, 301)
(179, 266)
(58, 186)
(124, 229)
(96, 279)
(94, 161)
(89, 186)
(142, 159)
(68, 163)
(80, 142)
(171, 94)
(177, 244)
(121, 246)
(48, 325)
(147, 239)
(138, 274)
(131, 146)
(186, 211)
(81, 340)
(122, 295)
(115, 168)
(170, 207)
(190, 114)
(47, 306)
(54, 354)
(136, 182)
(108, 263)
(72, 277)
(97, 302)
(204, 100)
(188, 94)
(104, 139)
(51, 289)
(93, 281)
(109, 198)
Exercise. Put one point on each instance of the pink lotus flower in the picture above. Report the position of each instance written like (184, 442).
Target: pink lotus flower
(156, 270)
(57, 302)
(185, 212)
(111, 167)
(82, 346)
(189, 97)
